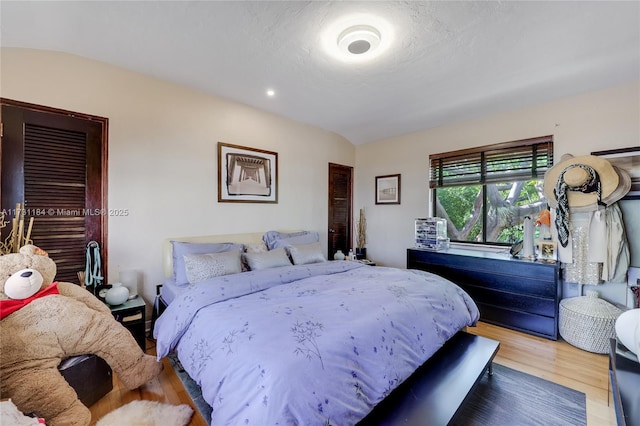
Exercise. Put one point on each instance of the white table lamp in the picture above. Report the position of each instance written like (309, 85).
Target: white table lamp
(129, 279)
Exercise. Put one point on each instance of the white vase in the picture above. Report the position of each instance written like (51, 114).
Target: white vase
(117, 294)
(339, 255)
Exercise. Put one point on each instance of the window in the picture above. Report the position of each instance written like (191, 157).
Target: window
(485, 193)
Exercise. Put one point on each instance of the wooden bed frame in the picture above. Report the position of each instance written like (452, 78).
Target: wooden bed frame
(435, 391)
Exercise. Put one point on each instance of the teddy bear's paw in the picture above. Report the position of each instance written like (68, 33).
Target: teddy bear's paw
(142, 372)
(76, 415)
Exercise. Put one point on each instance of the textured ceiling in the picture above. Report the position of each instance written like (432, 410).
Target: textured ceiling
(449, 61)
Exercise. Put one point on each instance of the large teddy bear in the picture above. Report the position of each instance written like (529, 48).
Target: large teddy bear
(58, 321)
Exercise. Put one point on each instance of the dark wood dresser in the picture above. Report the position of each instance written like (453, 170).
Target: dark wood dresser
(518, 294)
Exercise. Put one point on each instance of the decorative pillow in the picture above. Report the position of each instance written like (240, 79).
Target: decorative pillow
(270, 237)
(182, 248)
(269, 259)
(275, 239)
(200, 267)
(306, 253)
(260, 247)
(256, 248)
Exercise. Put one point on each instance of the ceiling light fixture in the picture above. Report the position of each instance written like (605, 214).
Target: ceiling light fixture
(359, 39)
(271, 93)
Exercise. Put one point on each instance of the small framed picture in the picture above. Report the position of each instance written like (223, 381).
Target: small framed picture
(547, 251)
(388, 189)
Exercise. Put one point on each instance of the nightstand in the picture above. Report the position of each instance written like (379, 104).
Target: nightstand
(131, 314)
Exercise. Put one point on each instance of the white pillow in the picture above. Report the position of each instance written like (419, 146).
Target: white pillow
(200, 267)
(260, 247)
(306, 253)
(628, 330)
(270, 259)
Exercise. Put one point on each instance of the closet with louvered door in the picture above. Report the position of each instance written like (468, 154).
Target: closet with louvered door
(54, 165)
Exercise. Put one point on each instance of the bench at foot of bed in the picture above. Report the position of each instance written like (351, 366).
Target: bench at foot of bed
(435, 392)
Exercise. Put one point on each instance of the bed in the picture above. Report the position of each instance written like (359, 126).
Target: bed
(317, 342)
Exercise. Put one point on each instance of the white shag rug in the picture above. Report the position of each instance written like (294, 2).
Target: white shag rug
(148, 413)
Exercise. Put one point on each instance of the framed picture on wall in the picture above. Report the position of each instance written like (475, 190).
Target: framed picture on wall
(629, 160)
(388, 189)
(247, 175)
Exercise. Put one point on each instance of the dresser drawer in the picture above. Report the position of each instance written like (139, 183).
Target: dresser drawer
(542, 326)
(514, 301)
(503, 278)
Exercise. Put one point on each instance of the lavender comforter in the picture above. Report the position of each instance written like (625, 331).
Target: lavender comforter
(316, 344)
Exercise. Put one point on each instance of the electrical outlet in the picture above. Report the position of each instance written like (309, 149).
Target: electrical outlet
(633, 276)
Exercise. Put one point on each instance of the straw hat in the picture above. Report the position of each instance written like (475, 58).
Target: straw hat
(615, 182)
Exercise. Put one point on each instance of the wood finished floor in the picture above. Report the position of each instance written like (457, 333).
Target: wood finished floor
(558, 362)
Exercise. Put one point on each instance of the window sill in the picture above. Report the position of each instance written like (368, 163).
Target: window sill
(481, 248)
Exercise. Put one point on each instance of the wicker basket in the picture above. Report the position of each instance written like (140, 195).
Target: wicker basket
(588, 322)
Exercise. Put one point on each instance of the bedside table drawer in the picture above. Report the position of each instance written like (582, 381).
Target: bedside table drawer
(132, 315)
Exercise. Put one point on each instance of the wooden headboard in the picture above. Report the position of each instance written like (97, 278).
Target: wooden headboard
(167, 248)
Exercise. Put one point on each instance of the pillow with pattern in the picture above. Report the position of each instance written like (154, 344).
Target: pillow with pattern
(180, 249)
(201, 267)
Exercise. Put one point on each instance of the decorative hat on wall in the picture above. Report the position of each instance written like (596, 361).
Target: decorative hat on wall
(587, 179)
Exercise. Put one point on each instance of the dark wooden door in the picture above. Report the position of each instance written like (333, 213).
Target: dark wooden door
(340, 209)
(54, 165)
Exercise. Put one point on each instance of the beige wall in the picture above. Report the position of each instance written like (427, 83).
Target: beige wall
(163, 155)
(606, 119)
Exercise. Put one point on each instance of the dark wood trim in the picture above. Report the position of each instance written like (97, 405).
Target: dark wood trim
(52, 110)
(492, 147)
(616, 151)
(102, 197)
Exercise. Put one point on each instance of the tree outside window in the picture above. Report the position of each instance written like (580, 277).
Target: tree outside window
(485, 193)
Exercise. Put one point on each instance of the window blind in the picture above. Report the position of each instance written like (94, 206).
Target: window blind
(505, 162)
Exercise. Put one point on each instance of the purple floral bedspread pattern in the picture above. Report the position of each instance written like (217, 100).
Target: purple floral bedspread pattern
(316, 344)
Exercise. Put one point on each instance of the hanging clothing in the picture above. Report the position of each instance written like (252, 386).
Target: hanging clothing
(617, 263)
(597, 249)
(581, 269)
(93, 267)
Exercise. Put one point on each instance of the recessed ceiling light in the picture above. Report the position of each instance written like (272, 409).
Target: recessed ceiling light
(357, 38)
(271, 92)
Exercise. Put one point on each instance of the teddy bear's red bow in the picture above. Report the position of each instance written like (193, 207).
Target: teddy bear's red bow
(7, 307)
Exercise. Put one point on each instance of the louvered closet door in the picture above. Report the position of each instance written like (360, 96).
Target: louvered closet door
(53, 164)
(340, 209)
